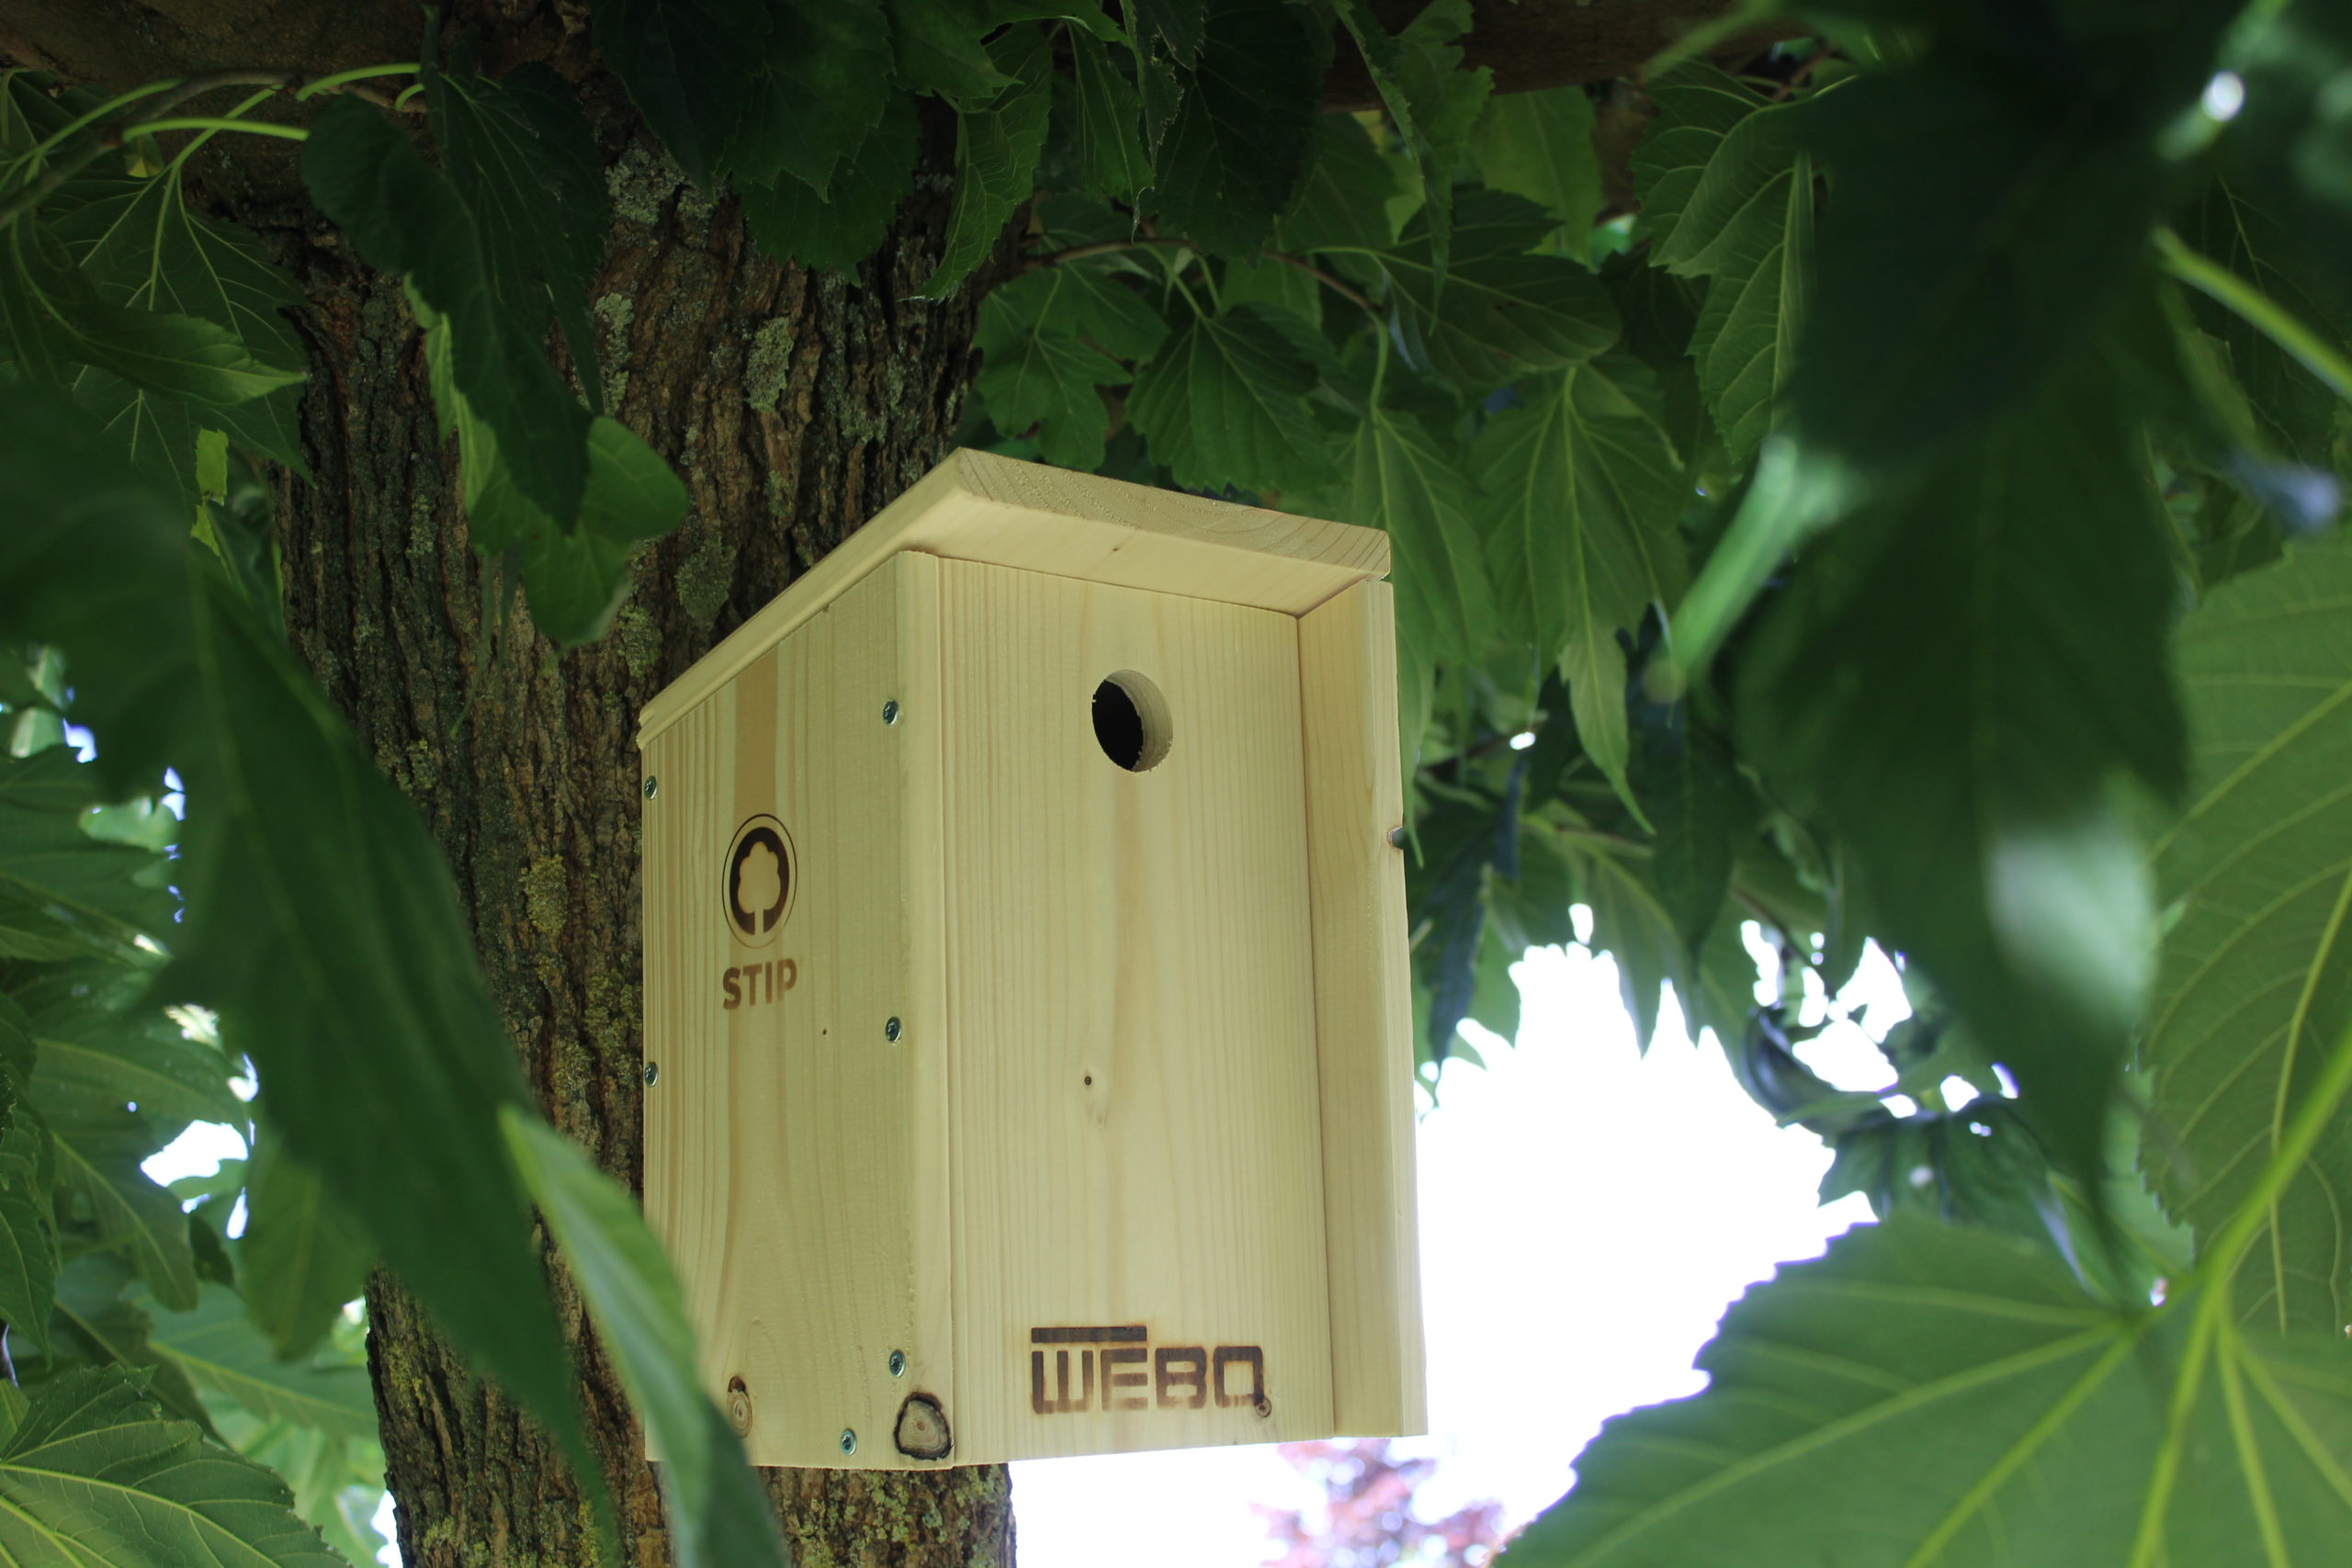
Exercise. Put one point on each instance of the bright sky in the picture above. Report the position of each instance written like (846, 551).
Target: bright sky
(1587, 1213)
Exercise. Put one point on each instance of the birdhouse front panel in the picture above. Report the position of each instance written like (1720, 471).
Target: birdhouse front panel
(1026, 1022)
(1136, 1127)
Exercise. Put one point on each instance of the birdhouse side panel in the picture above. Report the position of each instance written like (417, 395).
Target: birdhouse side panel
(1138, 1204)
(782, 1127)
(1363, 1011)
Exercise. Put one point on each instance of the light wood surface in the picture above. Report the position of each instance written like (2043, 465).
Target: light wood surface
(979, 507)
(793, 1164)
(1147, 1114)
(1147, 933)
(1363, 1017)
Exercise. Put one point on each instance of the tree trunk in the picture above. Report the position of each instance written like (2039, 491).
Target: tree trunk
(795, 404)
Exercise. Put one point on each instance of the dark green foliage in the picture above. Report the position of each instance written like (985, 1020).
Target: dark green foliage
(1797, 521)
(1970, 664)
(91, 1475)
(522, 157)
(1234, 155)
(316, 905)
(839, 228)
(405, 216)
(1224, 404)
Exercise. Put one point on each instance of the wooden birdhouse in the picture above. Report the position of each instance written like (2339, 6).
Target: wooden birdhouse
(1027, 1030)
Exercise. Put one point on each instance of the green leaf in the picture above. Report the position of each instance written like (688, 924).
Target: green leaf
(938, 47)
(93, 1062)
(1539, 145)
(575, 577)
(320, 920)
(1435, 105)
(27, 1227)
(719, 1513)
(2252, 989)
(1402, 479)
(1963, 673)
(1050, 338)
(1245, 127)
(141, 247)
(793, 223)
(403, 215)
(2297, 411)
(337, 1482)
(1633, 925)
(1967, 1407)
(94, 1325)
(1730, 191)
(55, 320)
(94, 1475)
(1110, 120)
(1583, 497)
(70, 892)
(1224, 404)
(997, 147)
(1497, 312)
(1978, 236)
(222, 1352)
(1179, 24)
(522, 157)
(820, 93)
(741, 88)
(1683, 774)
(691, 67)
(303, 1256)
(1047, 380)
(1343, 200)
(135, 1217)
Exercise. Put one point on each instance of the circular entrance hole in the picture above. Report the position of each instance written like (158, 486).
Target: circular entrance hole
(1131, 721)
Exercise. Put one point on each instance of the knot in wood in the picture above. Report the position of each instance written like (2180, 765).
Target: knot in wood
(923, 1431)
(738, 1408)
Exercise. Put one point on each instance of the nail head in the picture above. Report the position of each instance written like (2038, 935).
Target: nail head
(890, 711)
(849, 1441)
(652, 785)
(892, 1029)
(652, 1073)
(897, 1363)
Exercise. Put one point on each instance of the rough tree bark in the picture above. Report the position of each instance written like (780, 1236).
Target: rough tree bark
(794, 405)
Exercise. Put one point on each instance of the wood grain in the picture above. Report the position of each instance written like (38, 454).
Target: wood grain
(976, 506)
(1135, 1125)
(1363, 1011)
(782, 1164)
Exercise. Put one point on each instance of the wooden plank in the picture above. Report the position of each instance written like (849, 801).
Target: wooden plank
(976, 506)
(1364, 1011)
(781, 1166)
(1136, 1123)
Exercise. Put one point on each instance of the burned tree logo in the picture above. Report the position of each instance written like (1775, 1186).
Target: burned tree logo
(758, 884)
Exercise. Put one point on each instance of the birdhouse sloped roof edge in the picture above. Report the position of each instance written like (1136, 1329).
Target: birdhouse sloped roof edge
(980, 507)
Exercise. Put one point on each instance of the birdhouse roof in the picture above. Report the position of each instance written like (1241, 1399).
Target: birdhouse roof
(978, 507)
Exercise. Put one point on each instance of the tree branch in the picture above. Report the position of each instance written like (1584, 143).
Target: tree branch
(1529, 44)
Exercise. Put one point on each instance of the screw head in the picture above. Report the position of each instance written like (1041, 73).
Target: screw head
(652, 787)
(892, 1029)
(653, 1074)
(897, 1363)
(849, 1441)
(890, 711)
